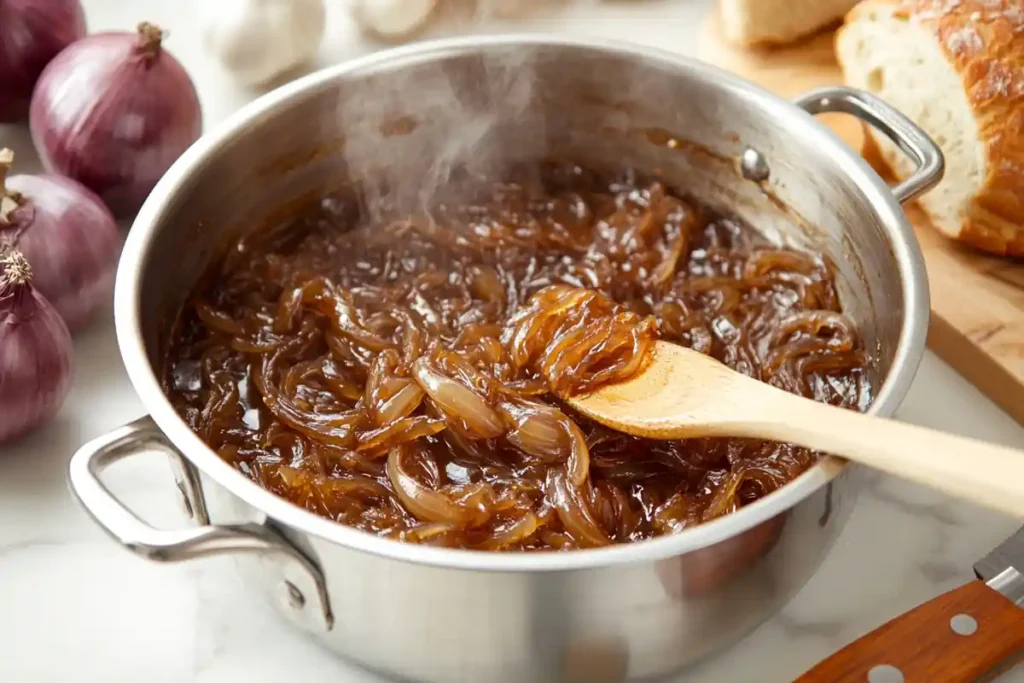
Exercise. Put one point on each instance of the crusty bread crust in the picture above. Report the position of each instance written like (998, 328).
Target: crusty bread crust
(984, 41)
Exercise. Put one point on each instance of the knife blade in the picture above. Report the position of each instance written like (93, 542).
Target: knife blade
(999, 569)
(971, 633)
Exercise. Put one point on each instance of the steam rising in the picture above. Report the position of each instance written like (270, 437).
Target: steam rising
(440, 127)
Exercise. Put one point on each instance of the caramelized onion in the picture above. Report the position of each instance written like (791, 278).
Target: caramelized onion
(537, 429)
(461, 508)
(406, 376)
(458, 401)
(335, 429)
(406, 429)
(401, 403)
(578, 339)
(574, 513)
(514, 534)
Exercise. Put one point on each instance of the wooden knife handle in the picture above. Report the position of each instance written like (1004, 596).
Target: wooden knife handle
(962, 635)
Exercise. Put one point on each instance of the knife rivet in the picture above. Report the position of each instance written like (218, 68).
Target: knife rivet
(885, 673)
(963, 624)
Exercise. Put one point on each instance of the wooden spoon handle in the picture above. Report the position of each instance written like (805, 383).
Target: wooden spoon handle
(964, 635)
(983, 473)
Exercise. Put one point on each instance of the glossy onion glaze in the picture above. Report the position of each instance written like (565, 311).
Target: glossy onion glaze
(403, 376)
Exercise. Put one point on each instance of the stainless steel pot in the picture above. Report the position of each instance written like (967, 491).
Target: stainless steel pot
(402, 119)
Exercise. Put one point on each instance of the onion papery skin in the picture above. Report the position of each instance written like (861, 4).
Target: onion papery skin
(113, 112)
(32, 33)
(72, 241)
(36, 359)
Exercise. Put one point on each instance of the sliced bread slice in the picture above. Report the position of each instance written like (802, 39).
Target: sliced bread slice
(956, 67)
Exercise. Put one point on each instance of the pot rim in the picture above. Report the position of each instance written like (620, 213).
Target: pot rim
(127, 295)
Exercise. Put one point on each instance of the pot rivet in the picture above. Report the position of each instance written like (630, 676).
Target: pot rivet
(295, 598)
(754, 166)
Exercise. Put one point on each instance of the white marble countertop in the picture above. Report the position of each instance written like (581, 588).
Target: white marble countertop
(75, 607)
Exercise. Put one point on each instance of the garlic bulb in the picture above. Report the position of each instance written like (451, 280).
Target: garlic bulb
(392, 19)
(258, 40)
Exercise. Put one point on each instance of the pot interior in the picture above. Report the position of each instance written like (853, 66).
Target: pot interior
(402, 122)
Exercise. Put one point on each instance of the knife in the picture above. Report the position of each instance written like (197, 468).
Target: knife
(971, 633)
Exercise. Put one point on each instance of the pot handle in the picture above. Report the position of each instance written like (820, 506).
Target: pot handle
(885, 118)
(178, 545)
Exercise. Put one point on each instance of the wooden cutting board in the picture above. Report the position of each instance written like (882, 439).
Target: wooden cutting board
(977, 321)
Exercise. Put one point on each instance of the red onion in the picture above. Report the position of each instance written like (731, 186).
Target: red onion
(114, 111)
(35, 352)
(68, 236)
(32, 32)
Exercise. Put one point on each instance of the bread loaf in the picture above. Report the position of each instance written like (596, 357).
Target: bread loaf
(956, 67)
(750, 22)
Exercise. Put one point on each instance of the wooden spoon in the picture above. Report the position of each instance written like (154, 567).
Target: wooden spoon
(684, 393)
